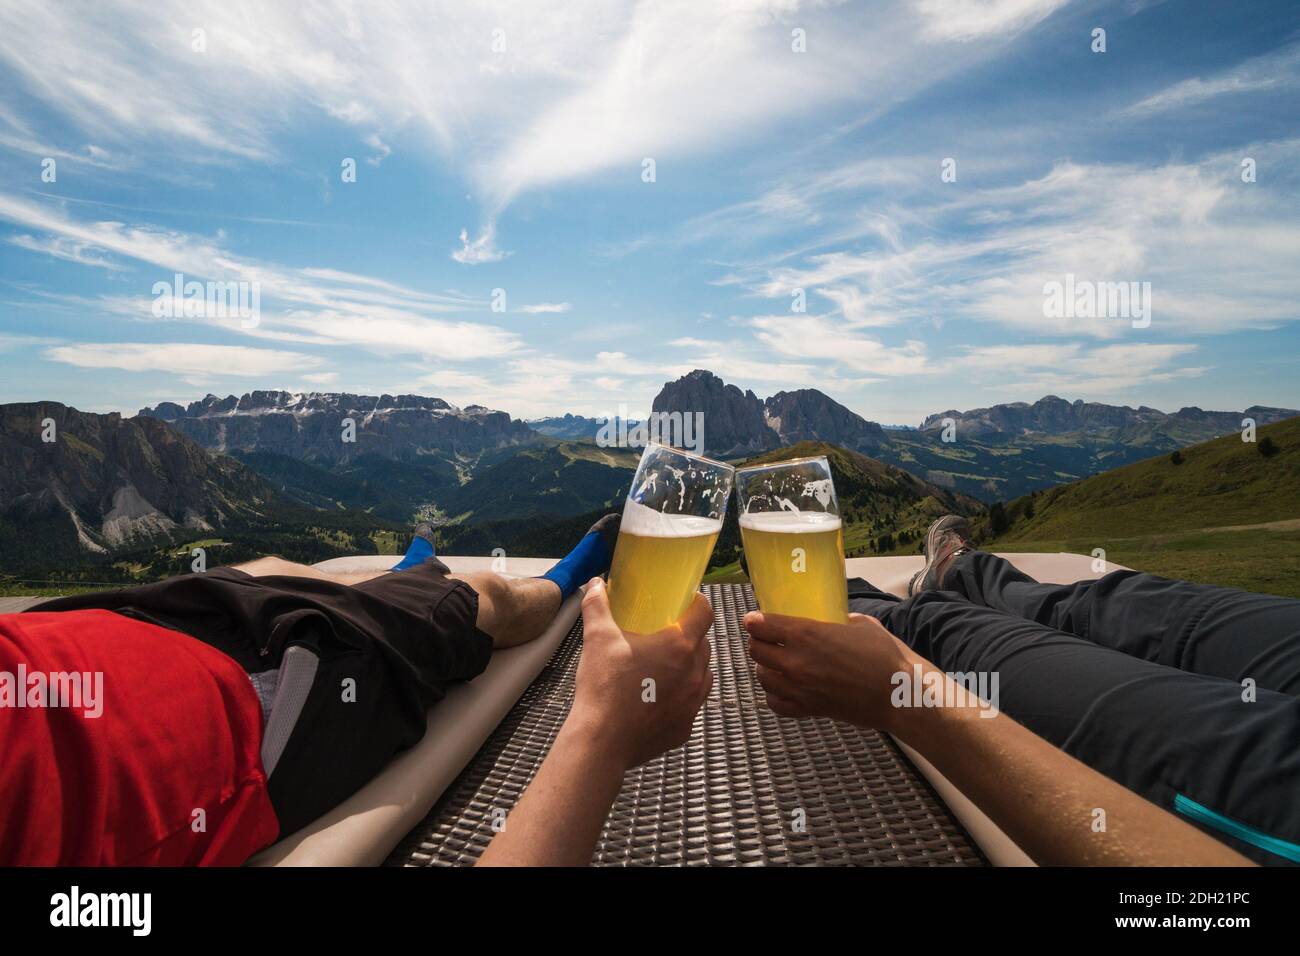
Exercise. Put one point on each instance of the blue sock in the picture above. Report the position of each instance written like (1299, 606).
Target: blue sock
(590, 558)
(419, 551)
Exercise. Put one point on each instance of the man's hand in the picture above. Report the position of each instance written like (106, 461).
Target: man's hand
(811, 669)
(613, 701)
(613, 726)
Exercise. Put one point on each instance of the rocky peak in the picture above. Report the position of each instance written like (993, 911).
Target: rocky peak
(734, 421)
(807, 414)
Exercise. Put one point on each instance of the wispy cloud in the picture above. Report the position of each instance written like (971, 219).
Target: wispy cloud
(1275, 71)
(546, 308)
(473, 252)
(520, 95)
(1074, 368)
(321, 306)
(1220, 254)
(821, 338)
(195, 363)
(977, 19)
(61, 247)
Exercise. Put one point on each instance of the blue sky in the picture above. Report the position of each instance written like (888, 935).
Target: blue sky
(502, 146)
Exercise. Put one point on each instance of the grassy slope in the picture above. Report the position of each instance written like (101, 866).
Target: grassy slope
(1227, 515)
(559, 479)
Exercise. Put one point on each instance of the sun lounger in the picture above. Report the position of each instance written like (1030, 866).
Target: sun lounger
(747, 788)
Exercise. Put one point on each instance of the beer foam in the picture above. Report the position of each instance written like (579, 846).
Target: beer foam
(790, 522)
(648, 523)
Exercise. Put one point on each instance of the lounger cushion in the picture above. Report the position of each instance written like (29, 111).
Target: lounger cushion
(364, 829)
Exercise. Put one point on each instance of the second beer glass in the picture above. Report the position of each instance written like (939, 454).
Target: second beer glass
(673, 514)
(793, 539)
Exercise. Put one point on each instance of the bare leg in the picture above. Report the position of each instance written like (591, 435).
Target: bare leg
(512, 610)
(278, 567)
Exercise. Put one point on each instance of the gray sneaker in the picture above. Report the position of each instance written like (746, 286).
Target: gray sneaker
(947, 538)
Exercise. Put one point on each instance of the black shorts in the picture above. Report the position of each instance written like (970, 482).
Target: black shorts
(355, 667)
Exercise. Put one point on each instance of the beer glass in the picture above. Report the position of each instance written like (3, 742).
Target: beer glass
(794, 543)
(671, 520)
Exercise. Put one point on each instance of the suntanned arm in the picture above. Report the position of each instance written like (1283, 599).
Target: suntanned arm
(1040, 796)
(1045, 800)
(612, 727)
(558, 819)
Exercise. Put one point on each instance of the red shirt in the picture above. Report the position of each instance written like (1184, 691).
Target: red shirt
(178, 731)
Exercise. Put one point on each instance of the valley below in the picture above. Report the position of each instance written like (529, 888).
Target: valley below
(114, 501)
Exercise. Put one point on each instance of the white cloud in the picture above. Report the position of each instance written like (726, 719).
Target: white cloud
(977, 19)
(381, 149)
(480, 250)
(1221, 255)
(72, 250)
(856, 306)
(590, 86)
(204, 361)
(638, 94)
(542, 308)
(9, 342)
(529, 386)
(823, 339)
(1272, 72)
(394, 331)
(321, 379)
(317, 305)
(1103, 370)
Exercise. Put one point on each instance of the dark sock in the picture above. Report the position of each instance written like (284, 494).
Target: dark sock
(590, 558)
(420, 549)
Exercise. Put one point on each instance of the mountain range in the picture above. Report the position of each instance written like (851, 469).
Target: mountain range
(992, 453)
(281, 463)
(578, 427)
(314, 426)
(1053, 417)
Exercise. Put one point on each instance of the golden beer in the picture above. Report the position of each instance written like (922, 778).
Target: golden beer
(658, 563)
(796, 563)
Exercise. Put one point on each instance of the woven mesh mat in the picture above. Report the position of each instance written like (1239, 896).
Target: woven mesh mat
(747, 788)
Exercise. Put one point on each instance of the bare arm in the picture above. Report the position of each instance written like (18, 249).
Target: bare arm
(1045, 800)
(1040, 796)
(614, 725)
(558, 819)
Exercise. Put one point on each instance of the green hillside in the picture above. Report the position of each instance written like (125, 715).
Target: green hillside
(389, 488)
(555, 480)
(1224, 512)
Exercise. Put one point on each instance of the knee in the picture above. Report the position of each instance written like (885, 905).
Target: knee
(264, 566)
(496, 591)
